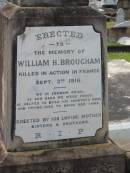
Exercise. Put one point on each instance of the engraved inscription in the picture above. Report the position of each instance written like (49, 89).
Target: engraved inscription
(58, 89)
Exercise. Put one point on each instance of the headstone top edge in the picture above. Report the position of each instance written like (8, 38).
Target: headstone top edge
(42, 3)
(23, 12)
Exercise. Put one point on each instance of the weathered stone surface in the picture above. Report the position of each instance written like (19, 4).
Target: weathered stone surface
(49, 2)
(101, 158)
(14, 19)
(125, 4)
(128, 162)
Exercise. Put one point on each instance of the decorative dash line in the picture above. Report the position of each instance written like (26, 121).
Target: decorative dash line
(60, 87)
(59, 112)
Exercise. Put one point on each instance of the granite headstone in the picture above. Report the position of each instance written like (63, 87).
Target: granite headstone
(53, 89)
(53, 75)
(120, 16)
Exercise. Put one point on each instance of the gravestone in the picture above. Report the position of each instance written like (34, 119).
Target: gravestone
(120, 16)
(53, 89)
(54, 92)
(120, 19)
(126, 6)
(109, 3)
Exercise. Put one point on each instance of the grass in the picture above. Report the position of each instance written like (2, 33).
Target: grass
(113, 43)
(110, 24)
(119, 55)
(110, 42)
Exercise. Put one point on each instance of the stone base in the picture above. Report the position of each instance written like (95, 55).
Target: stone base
(128, 162)
(101, 158)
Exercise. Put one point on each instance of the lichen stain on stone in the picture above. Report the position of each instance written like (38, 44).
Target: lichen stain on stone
(23, 36)
(9, 10)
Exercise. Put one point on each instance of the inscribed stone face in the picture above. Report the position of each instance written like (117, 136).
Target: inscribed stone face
(58, 87)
